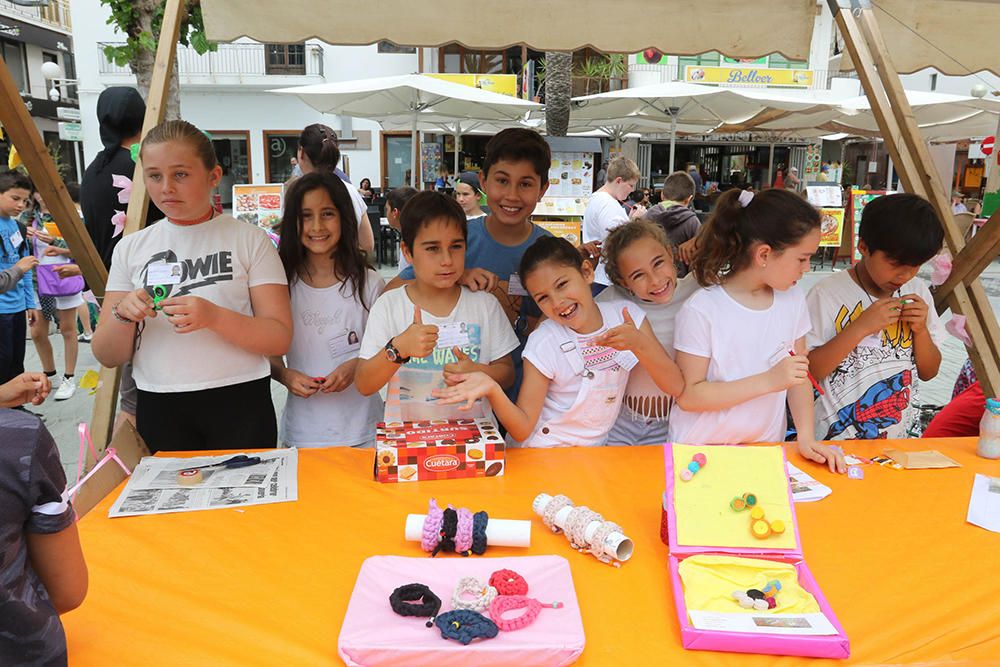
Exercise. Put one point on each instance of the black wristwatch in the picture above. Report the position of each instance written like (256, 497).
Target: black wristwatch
(393, 354)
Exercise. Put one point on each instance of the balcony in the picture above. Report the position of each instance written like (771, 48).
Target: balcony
(54, 15)
(245, 65)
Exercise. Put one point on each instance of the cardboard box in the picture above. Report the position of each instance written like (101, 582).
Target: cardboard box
(414, 451)
(689, 510)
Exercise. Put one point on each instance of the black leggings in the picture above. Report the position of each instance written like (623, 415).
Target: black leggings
(240, 416)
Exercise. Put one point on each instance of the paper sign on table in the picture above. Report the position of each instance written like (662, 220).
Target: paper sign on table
(805, 489)
(984, 505)
(922, 460)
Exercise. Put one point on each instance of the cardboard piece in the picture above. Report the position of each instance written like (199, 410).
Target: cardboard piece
(130, 448)
(723, 461)
(922, 460)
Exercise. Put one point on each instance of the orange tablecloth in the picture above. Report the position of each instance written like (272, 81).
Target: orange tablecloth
(910, 580)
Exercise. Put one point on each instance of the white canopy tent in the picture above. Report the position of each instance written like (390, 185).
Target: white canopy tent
(416, 98)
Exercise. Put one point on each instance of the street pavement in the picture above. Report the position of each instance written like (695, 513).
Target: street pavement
(63, 417)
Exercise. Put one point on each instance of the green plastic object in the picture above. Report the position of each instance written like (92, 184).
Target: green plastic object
(991, 202)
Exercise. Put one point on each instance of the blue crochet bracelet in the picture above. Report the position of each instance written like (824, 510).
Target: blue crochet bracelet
(463, 625)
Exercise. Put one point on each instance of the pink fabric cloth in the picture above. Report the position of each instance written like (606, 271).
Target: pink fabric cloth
(372, 635)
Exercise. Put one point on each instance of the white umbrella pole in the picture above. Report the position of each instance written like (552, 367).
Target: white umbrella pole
(458, 147)
(413, 154)
(673, 141)
(889, 174)
(770, 168)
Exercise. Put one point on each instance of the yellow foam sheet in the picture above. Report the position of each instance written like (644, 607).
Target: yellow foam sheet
(704, 518)
(709, 583)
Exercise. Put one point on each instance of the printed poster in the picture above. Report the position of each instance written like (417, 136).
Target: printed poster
(831, 227)
(259, 205)
(571, 175)
(859, 199)
(566, 229)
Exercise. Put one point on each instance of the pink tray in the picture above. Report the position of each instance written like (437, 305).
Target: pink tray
(373, 635)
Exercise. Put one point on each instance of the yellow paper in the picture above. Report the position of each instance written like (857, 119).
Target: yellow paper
(709, 582)
(704, 518)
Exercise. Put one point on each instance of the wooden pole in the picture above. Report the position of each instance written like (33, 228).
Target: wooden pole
(35, 154)
(105, 402)
(863, 40)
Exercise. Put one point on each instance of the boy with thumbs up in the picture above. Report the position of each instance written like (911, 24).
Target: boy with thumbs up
(432, 325)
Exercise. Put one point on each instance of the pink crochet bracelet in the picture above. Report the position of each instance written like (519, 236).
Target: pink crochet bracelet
(463, 536)
(505, 603)
(432, 527)
(508, 582)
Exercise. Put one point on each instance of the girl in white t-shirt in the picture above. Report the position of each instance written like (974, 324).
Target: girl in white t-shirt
(741, 341)
(576, 363)
(197, 302)
(641, 268)
(332, 289)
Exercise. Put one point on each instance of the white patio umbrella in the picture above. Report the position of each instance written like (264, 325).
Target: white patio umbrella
(413, 96)
(690, 105)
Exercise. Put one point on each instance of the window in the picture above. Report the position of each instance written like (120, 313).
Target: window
(456, 59)
(285, 59)
(13, 55)
(778, 61)
(280, 147)
(710, 59)
(386, 46)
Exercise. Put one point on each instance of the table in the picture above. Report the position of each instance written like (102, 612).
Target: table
(909, 579)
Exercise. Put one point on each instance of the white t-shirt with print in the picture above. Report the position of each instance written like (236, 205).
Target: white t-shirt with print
(641, 392)
(329, 323)
(544, 350)
(740, 342)
(603, 213)
(220, 261)
(872, 392)
(409, 391)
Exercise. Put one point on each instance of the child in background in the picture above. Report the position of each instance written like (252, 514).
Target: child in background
(199, 303)
(15, 196)
(874, 326)
(332, 289)
(83, 311)
(741, 341)
(59, 309)
(42, 570)
(394, 203)
(515, 176)
(468, 193)
(577, 361)
(641, 268)
(605, 210)
(674, 213)
(400, 345)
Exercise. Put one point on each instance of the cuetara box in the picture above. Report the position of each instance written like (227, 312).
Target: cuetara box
(701, 522)
(413, 451)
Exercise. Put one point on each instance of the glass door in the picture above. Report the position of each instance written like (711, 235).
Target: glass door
(397, 150)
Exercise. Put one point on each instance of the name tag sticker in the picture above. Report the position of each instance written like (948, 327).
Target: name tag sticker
(163, 273)
(453, 334)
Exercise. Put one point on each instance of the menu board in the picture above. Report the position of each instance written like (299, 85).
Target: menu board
(571, 175)
(259, 205)
(562, 205)
(831, 227)
(859, 199)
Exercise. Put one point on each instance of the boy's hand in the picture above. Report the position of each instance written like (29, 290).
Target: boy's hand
(464, 365)
(814, 451)
(789, 372)
(189, 313)
(625, 336)
(914, 312)
(637, 212)
(25, 388)
(299, 383)
(27, 263)
(68, 270)
(419, 339)
(136, 305)
(591, 252)
(879, 316)
(687, 250)
(479, 280)
(40, 235)
(468, 387)
(341, 377)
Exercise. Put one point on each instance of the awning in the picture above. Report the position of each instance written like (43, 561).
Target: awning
(955, 36)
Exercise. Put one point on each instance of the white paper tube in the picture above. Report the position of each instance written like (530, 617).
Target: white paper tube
(617, 543)
(499, 532)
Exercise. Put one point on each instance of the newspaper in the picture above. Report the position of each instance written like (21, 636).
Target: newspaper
(153, 486)
(805, 489)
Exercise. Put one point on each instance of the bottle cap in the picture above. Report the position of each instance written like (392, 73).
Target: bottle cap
(993, 405)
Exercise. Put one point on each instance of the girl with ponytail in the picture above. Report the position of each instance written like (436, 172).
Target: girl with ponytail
(740, 341)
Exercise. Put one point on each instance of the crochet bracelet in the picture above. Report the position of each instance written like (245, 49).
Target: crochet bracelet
(508, 582)
(458, 530)
(482, 595)
(479, 521)
(463, 625)
(415, 600)
(432, 527)
(463, 536)
(449, 526)
(506, 603)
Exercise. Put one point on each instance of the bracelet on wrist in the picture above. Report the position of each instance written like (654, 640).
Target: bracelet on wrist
(119, 317)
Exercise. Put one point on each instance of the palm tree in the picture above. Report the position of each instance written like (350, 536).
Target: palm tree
(558, 92)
